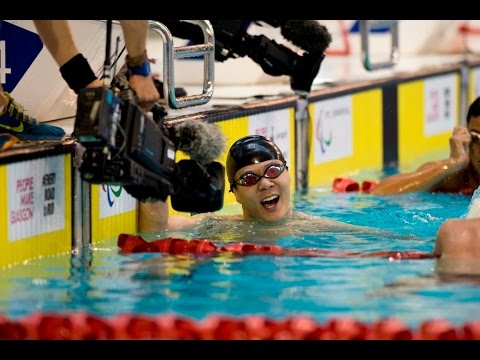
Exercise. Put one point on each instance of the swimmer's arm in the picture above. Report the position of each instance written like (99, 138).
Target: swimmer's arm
(458, 239)
(341, 226)
(334, 225)
(433, 175)
(154, 217)
(426, 178)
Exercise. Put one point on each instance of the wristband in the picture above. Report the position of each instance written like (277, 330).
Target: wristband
(142, 70)
(136, 60)
(77, 73)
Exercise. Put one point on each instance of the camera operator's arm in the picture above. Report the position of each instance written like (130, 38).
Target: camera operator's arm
(141, 81)
(57, 37)
(154, 217)
(75, 69)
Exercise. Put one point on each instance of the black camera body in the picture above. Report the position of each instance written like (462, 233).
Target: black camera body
(124, 145)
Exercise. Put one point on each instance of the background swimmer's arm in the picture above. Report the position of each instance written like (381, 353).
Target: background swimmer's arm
(154, 217)
(430, 176)
(427, 178)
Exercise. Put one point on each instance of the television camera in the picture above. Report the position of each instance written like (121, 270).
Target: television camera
(122, 144)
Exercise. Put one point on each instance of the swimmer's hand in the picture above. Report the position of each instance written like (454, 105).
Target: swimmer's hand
(459, 145)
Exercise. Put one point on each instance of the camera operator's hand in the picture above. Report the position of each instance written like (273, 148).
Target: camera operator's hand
(145, 89)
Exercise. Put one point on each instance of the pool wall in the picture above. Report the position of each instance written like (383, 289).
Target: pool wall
(366, 125)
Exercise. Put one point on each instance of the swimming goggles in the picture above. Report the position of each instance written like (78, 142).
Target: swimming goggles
(271, 172)
(475, 137)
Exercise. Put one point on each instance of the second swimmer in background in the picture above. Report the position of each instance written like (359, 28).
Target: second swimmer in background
(459, 173)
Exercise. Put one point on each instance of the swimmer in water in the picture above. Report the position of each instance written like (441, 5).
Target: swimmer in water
(459, 173)
(259, 179)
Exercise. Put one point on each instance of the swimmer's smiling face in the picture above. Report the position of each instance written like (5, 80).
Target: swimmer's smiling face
(269, 198)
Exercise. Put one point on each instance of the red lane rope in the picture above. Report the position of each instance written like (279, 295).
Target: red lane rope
(47, 326)
(136, 244)
(84, 326)
(345, 184)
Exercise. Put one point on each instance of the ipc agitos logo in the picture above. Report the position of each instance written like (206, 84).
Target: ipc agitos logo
(320, 134)
(113, 192)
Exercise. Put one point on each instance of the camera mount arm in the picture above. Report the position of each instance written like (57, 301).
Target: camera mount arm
(233, 41)
(170, 54)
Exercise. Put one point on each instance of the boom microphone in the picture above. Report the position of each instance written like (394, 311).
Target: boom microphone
(309, 35)
(204, 142)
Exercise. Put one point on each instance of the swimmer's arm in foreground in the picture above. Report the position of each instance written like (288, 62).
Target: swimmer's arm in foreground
(312, 221)
(458, 248)
(458, 239)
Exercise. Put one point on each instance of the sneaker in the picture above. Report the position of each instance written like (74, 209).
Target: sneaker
(7, 141)
(14, 121)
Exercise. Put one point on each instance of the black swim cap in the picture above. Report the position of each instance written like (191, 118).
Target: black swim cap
(251, 149)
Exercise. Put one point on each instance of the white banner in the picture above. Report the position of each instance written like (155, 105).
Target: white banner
(114, 200)
(476, 83)
(274, 125)
(333, 133)
(36, 197)
(440, 104)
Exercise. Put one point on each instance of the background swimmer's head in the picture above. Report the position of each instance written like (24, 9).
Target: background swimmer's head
(473, 126)
(251, 149)
(473, 110)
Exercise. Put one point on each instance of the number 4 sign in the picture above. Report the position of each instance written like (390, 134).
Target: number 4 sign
(19, 47)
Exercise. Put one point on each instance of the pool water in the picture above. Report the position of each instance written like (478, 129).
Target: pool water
(105, 283)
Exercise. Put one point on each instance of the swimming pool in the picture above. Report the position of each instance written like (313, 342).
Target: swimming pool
(103, 282)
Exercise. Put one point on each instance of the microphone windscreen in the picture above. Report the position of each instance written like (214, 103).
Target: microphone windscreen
(309, 35)
(203, 141)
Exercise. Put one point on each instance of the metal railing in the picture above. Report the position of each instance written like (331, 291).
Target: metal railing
(171, 53)
(365, 27)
